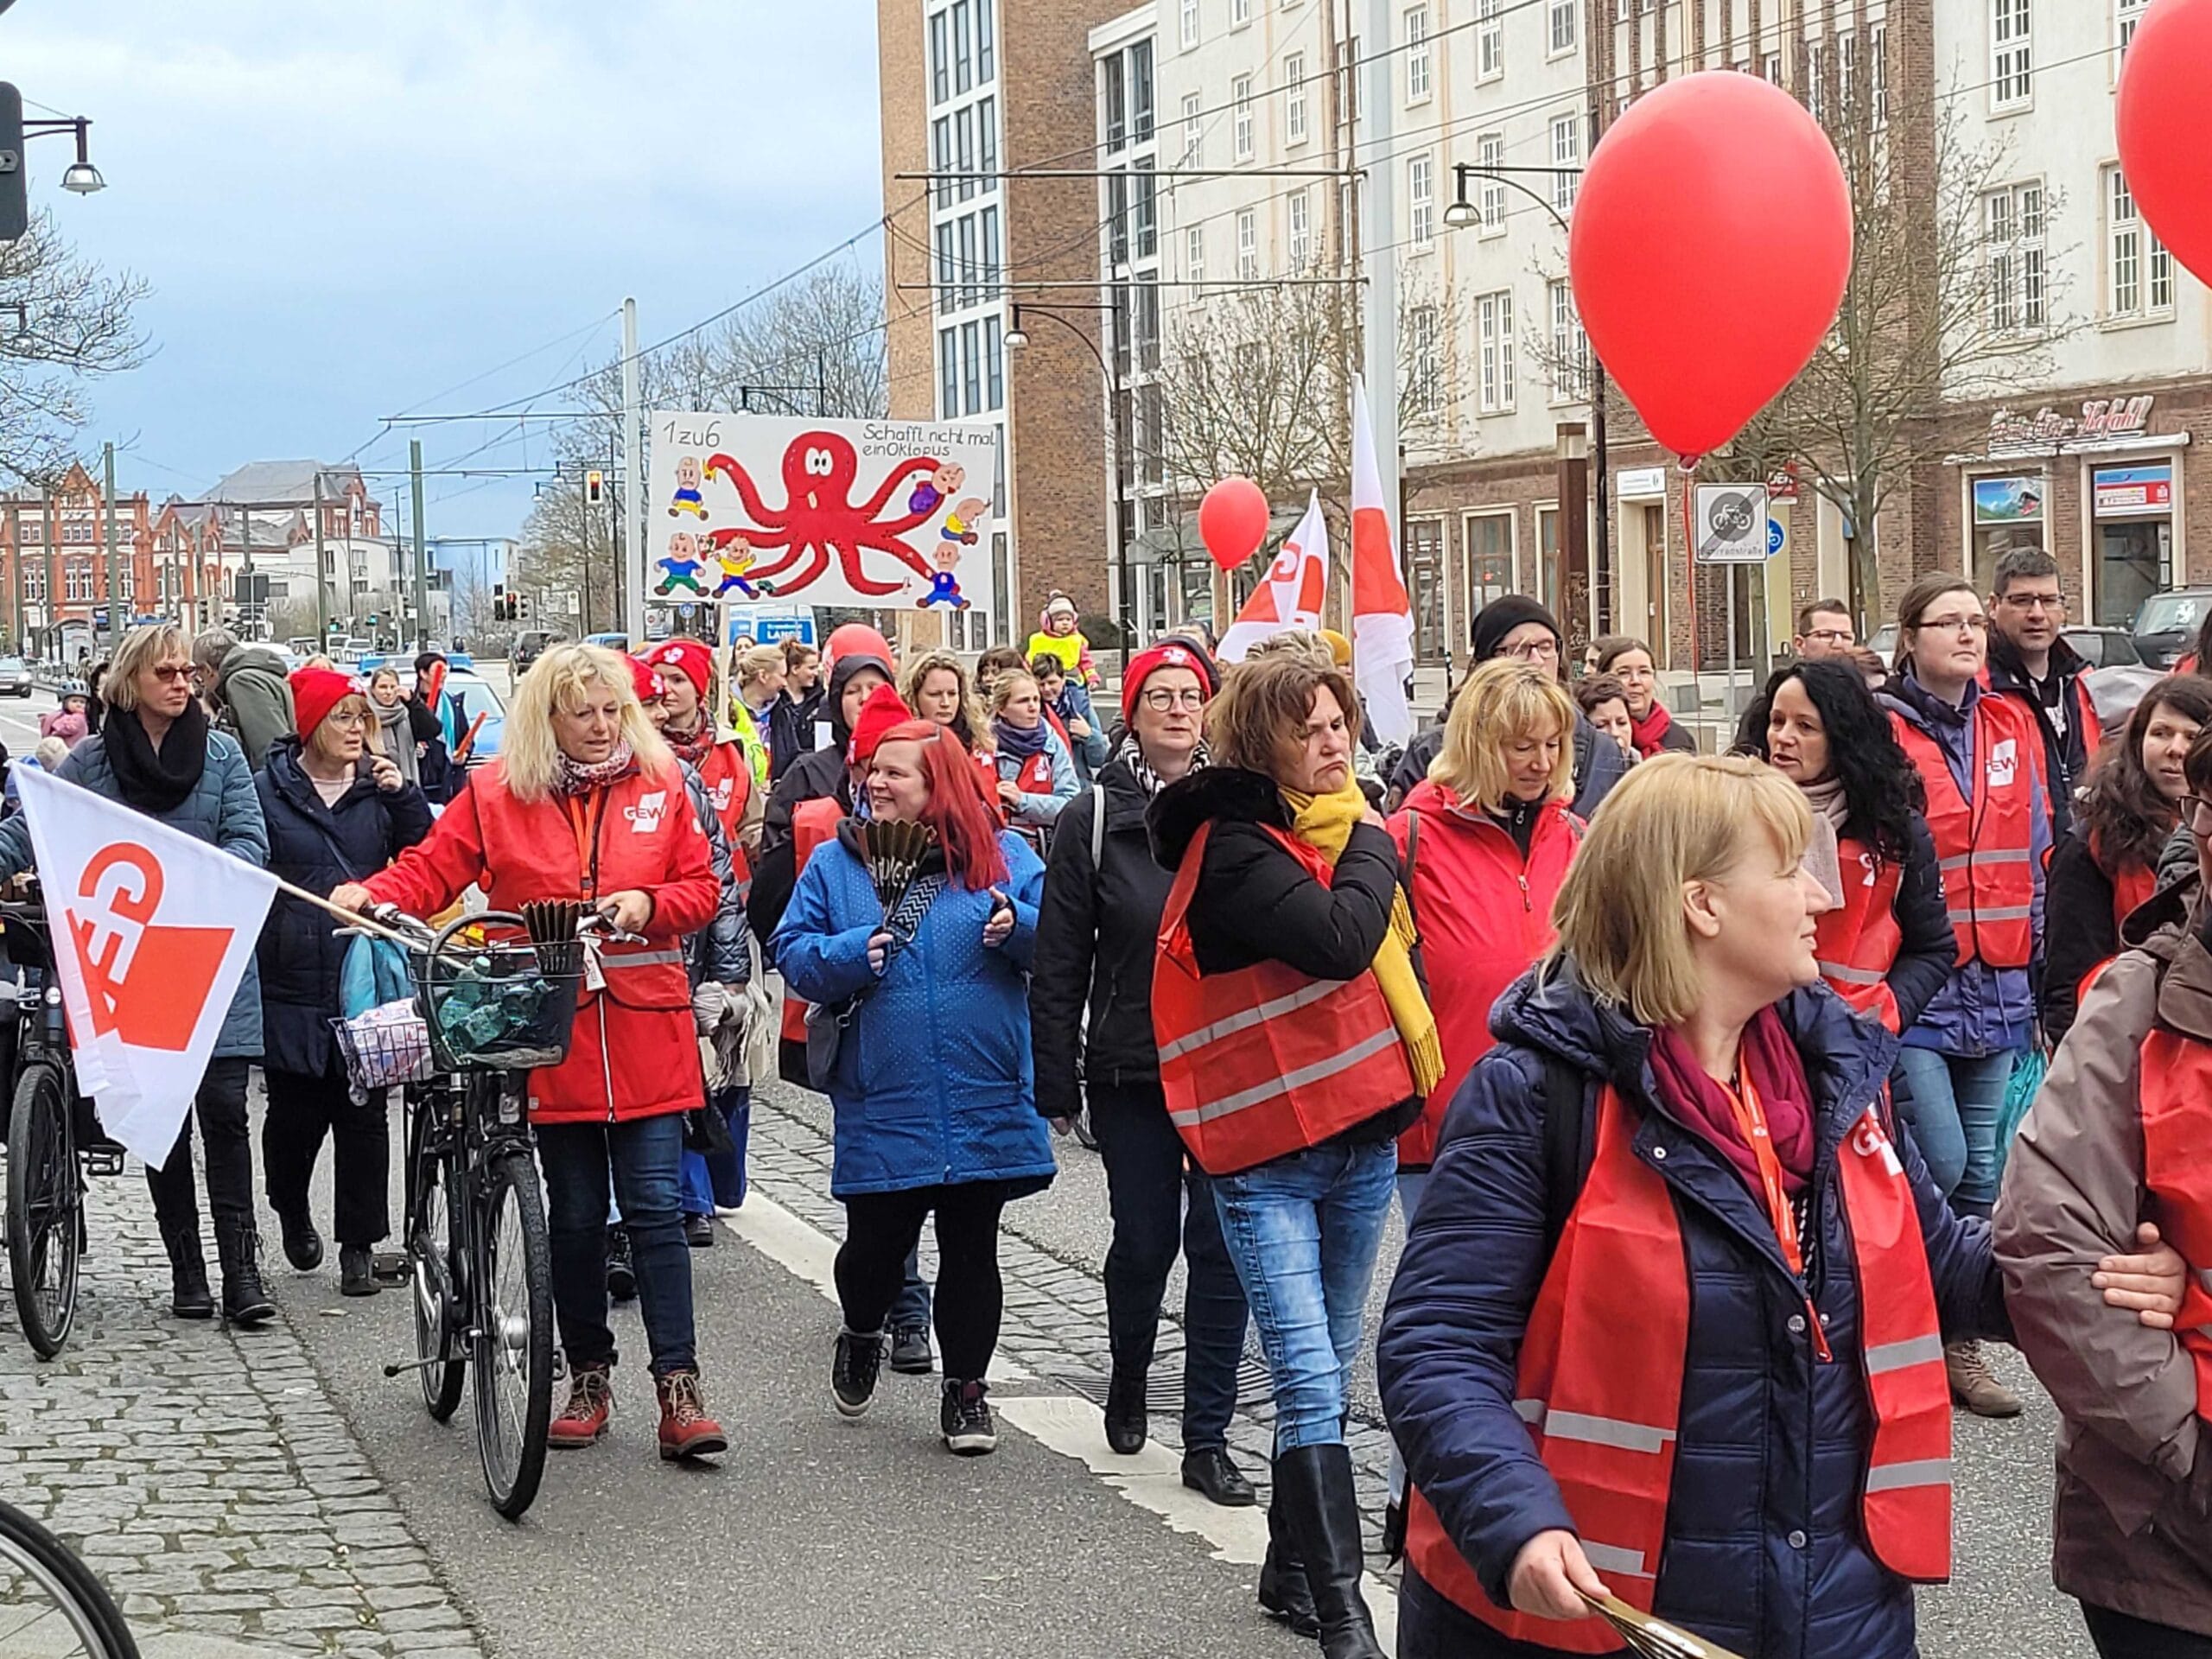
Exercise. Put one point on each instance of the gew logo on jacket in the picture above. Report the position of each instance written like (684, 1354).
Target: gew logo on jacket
(2004, 762)
(644, 816)
(148, 982)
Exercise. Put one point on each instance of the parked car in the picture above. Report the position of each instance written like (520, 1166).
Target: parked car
(14, 677)
(2103, 647)
(468, 695)
(529, 646)
(616, 642)
(2166, 626)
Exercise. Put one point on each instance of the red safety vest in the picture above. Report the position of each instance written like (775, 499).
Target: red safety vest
(1034, 776)
(729, 779)
(1986, 846)
(1600, 1381)
(1859, 944)
(813, 823)
(2176, 1093)
(1263, 1061)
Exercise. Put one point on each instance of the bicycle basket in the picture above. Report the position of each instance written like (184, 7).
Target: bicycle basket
(492, 1007)
(383, 1045)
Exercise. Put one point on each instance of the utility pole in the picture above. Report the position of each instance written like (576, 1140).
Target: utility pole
(16, 573)
(107, 492)
(46, 611)
(422, 548)
(629, 570)
(321, 571)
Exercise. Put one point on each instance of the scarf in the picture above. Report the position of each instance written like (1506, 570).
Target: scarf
(1769, 1059)
(1325, 822)
(397, 728)
(575, 778)
(157, 782)
(1131, 754)
(690, 748)
(1021, 744)
(1826, 799)
(1650, 734)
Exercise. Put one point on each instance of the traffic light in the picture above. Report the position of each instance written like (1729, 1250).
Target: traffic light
(500, 601)
(15, 183)
(594, 487)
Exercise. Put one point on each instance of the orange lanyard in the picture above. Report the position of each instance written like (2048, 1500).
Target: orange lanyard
(584, 821)
(1750, 1119)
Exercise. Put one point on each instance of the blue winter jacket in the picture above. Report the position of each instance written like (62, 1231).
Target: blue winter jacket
(933, 1083)
(1074, 703)
(222, 809)
(1764, 1549)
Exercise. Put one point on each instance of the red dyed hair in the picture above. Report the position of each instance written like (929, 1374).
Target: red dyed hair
(966, 819)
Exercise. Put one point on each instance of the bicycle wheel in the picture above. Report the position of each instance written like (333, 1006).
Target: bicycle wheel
(43, 1201)
(430, 1257)
(50, 1602)
(511, 1347)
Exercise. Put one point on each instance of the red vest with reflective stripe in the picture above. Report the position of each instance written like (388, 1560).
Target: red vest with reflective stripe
(812, 823)
(1600, 1381)
(1859, 944)
(1264, 1061)
(2176, 1092)
(1986, 846)
(728, 779)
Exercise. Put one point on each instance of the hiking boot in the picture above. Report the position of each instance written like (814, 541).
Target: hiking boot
(854, 1371)
(246, 1300)
(686, 1431)
(303, 1244)
(189, 1297)
(1126, 1422)
(910, 1351)
(621, 1271)
(357, 1271)
(965, 1419)
(591, 1403)
(1973, 1386)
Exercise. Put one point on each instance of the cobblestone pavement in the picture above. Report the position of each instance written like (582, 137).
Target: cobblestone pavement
(205, 1474)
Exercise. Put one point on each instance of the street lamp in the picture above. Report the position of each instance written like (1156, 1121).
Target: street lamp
(81, 177)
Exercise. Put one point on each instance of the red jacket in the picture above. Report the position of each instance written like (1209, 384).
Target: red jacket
(638, 833)
(1485, 915)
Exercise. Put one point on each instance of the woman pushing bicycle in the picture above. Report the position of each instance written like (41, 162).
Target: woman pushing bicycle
(586, 800)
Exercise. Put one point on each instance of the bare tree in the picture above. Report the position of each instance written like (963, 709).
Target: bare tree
(566, 547)
(469, 599)
(76, 322)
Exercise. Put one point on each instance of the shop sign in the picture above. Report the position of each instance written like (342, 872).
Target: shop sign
(2122, 492)
(2101, 417)
(2008, 501)
(1640, 481)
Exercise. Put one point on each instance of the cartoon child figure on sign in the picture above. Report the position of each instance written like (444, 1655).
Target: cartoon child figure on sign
(933, 491)
(735, 557)
(689, 476)
(679, 566)
(962, 528)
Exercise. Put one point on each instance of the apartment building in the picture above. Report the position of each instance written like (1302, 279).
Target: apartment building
(65, 564)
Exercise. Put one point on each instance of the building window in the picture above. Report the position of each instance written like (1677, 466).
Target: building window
(1879, 69)
(2012, 54)
(970, 294)
(1148, 216)
(1846, 76)
(1194, 254)
(940, 61)
(1141, 113)
(2125, 15)
(2012, 232)
(1420, 194)
(1558, 38)
(964, 45)
(1567, 154)
(1348, 80)
(1189, 36)
(1427, 382)
(948, 375)
(987, 144)
(948, 291)
(993, 365)
(1418, 62)
(1494, 335)
(963, 145)
(2139, 271)
(1300, 205)
(941, 158)
(989, 216)
(1770, 66)
(1489, 39)
(1240, 120)
(971, 368)
(1294, 98)
(1240, 12)
(1570, 347)
(1248, 244)
(1114, 73)
(1194, 133)
(1490, 153)
(987, 54)
(1816, 90)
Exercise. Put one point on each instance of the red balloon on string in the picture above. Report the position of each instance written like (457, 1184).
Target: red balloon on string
(1233, 521)
(856, 639)
(1709, 250)
(2166, 128)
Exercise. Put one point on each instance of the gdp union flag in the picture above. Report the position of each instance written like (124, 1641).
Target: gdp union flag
(152, 932)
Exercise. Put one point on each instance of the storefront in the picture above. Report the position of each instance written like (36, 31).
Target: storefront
(2132, 511)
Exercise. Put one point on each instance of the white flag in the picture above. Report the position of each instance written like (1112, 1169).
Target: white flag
(153, 929)
(1382, 615)
(1289, 595)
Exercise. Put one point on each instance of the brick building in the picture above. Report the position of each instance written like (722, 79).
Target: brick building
(60, 542)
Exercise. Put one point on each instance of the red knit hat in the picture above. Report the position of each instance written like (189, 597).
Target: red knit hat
(315, 692)
(1168, 653)
(691, 656)
(643, 681)
(884, 708)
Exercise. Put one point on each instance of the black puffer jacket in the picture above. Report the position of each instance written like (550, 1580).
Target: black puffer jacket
(791, 728)
(1097, 934)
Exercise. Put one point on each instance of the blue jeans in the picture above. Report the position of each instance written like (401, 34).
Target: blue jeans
(1303, 1231)
(642, 1157)
(716, 1181)
(1955, 1103)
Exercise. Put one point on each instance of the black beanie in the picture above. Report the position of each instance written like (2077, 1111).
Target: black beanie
(1500, 616)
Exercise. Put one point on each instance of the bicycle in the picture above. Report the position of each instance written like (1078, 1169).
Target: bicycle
(53, 1139)
(479, 1256)
(48, 1595)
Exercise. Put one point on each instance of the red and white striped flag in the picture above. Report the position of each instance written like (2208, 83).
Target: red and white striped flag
(1289, 595)
(1382, 615)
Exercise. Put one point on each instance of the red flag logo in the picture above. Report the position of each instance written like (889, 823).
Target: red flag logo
(147, 982)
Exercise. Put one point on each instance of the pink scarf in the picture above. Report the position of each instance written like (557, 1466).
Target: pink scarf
(1769, 1059)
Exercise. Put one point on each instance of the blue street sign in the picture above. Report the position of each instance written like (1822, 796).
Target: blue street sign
(1774, 536)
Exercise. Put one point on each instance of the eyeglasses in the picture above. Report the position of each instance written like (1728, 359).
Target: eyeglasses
(1952, 625)
(1163, 700)
(1832, 636)
(1529, 649)
(2033, 601)
(172, 673)
(348, 722)
(2196, 813)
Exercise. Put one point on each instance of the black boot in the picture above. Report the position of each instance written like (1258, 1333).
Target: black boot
(1126, 1422)
(188, 1294)
(1283, 1593)
(244, 1300)
(1323, 1509)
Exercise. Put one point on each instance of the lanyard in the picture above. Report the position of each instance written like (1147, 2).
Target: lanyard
(1751, 1118)
(584, 817)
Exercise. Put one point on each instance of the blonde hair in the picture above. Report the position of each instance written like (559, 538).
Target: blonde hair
(758, 661)
(386, 671)
(968, 723)
(141, 648)
(1504, 699)
(1002, 687)
(529, 758)
(1675, 819)
(320, 661)
(1260, 717)
(1300, 640)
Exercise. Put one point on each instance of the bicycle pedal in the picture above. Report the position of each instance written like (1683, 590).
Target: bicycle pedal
(103, 1160)
(389, 1267)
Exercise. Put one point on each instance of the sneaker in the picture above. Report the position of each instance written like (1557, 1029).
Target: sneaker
(699, 1232)
(686, 1431)
(303, 1244)
(357, 1271)
(1973, 1386)
(910, 1351)
(591, 1402)
(965, 1417)
(721, 1208)
(853, 1373)
(621, 1271)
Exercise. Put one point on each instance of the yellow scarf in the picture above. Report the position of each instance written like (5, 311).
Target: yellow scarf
(1325, 822)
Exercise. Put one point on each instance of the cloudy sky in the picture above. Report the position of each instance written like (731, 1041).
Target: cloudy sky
(352, 208)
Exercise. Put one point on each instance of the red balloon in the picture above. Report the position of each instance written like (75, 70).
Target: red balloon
(2166, 128)
(1710, 247)
(856, 639)
(1233, 521)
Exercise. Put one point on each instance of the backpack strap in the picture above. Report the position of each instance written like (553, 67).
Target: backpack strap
(1405, 873)
(1568, 1149)
(1097, 825)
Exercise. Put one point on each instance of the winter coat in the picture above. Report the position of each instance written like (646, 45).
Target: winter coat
(2134, 1455)
(1097, 937)
(1255, 901)
(1599, 763)
(222, 810)
(2066, 754)
(1981, 1009)
(318, 847)
(252, 700)
(1074, 703)
(1766, 1553)
(1485, 914)
(1035, 812)
(812, 776)
(646, 836)
(791, 728)
(2083, 929)
(933, 1082)
(72, 726)
(717, 951)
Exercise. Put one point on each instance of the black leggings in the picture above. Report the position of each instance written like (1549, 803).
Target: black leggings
(2118, 1637)
(880, 1227)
